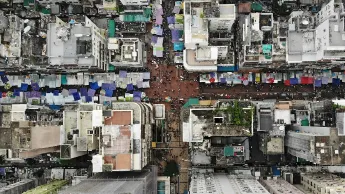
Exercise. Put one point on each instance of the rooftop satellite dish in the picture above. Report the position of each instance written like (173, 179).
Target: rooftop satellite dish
(27, 29)
(305, 22)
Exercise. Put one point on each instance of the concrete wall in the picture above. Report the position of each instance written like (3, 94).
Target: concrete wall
(22, 186)
(44, 137)
(318, 131)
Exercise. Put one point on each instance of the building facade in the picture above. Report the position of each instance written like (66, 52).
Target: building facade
(143, 182)
(125, 138)
(321, 183)
(77, 45)
(319, 38)
(126, 52)
(29, 131)
(207, 181)
(207, 29)
(279, 185)
(82, 125)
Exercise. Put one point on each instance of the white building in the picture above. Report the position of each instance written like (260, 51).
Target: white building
(205, 181)
(11, 39)
(123, 147)
(126, 52)
(320, 183)
(200, 20)
(135, 2)
(279, 186)
(80, 45)
(82, 125)
(323, 43)
(49, 2)
(257, 36)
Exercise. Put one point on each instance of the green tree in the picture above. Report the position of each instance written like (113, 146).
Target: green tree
(171, 168)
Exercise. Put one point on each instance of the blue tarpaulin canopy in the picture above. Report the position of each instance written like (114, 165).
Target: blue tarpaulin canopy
(137, 94)
(16, 92)
(335, 81)
(91, 92)
(83, 91)
(171, 20)
(72, 91)
(293, 81)
(88, 98)
(55, 107)
(105, 86)
(76, 96)
(4, 78)
(175, 35)
(130, 87)
(325, 80)
(112, 86)
(94, 85)
(136, 99)
(56, 92)
(318, 83)
(109, 93)
(123, 74)
(35, 86)
(24, 87)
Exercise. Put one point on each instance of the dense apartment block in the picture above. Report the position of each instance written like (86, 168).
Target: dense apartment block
(143, 182)
(125, 140)
(78, 44)
(81, 129)
(216, 135)
(317, 38)
(27, 132)
(127, 52)
(323, 183)
(257, 39)
(272, 119)
(206, 181)
(207, 28)
(277, 185)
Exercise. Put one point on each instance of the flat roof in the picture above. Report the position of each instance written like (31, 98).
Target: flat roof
(209, 183)
(123, 117)
(62, 50)
(117, 140)
(281, 186)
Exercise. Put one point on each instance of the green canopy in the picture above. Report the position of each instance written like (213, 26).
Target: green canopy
(256, 7)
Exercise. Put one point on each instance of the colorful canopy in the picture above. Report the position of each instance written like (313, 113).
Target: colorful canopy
(318, 83)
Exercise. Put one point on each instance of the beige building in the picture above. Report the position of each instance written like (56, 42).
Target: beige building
(125, 139)
(23, 136)
(319, 183)
(81, 126)
(279, 186)
(205, 23)
(29, 142)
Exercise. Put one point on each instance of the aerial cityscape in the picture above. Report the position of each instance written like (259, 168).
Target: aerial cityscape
(172, 97)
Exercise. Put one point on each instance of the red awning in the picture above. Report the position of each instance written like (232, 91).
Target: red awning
(304, 80)
(310, 80)
(287, 82)
(270, 80)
